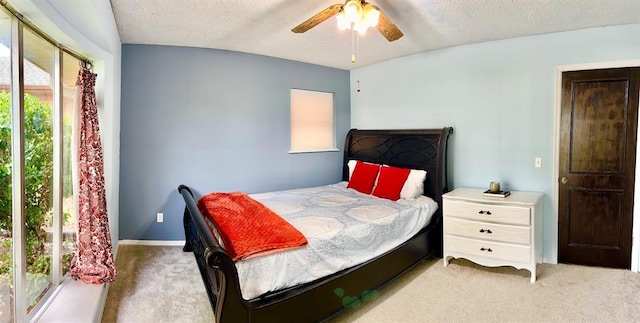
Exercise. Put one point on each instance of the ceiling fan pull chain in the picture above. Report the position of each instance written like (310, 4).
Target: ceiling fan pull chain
(353, 46)
(357, 44)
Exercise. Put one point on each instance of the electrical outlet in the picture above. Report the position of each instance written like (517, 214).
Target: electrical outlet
(538, 162)
(159, 217)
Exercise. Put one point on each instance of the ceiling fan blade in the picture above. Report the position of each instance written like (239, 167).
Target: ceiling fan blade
(318, 18)
(388, 29)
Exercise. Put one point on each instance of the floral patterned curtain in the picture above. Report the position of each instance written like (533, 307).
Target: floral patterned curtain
(93, 262)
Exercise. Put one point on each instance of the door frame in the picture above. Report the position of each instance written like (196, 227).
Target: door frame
(635, 247)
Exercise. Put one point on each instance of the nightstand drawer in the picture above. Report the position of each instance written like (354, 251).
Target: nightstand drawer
(494, 250)
(487, 231)
(487, 212)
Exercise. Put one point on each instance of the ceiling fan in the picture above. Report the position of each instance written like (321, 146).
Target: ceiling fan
(356, 15)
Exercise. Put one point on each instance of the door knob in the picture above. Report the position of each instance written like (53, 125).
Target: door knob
(564, 180)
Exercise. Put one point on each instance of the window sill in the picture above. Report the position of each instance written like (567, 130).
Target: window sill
(76, 302)
(313, 151)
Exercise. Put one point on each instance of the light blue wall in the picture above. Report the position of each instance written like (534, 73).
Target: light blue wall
(217, 121)
(498, 96)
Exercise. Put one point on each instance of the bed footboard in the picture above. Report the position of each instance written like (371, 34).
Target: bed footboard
(216, 267)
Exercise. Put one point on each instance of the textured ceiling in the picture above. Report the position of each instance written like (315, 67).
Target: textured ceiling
(264, 26)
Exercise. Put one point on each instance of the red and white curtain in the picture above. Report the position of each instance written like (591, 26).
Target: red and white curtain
(93, 262)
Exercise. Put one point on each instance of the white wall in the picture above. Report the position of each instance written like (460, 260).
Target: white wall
(88, 27)
(498, 96)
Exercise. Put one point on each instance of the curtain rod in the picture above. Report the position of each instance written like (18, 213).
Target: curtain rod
(83, 60)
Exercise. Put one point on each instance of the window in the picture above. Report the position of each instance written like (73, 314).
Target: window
(312, 124)
(38, 164)
(37, 225)
(70, 69)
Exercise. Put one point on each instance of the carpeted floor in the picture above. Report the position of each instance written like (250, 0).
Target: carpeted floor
(156, 284)
(162, 284)
(466, 292)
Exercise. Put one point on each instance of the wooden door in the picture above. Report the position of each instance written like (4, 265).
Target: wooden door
(598, 126)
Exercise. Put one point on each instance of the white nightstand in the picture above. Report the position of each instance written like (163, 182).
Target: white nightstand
(493, 231)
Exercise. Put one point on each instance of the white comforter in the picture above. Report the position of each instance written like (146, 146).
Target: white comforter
(343, 227)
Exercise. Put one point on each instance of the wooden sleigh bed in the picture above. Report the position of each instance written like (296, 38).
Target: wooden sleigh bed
(319, 300)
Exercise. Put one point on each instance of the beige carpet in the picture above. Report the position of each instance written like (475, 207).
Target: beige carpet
(465, 292)
(162, 284)
(156, 284)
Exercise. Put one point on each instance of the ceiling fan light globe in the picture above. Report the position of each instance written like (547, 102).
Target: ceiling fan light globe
(352, 11)
(370, 15)
(360, 27)
(342, 21)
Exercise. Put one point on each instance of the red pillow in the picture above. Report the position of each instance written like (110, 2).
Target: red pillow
(363, 177)
(390, 182)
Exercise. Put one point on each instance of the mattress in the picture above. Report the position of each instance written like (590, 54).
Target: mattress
(343, 227)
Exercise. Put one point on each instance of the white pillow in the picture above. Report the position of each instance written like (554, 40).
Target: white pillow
(414, 185)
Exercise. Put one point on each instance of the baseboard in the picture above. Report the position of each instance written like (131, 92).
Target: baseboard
(167, 243)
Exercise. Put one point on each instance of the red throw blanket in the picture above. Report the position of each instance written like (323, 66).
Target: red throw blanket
(247, 227)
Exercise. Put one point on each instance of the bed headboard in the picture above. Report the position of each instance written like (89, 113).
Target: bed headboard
(424, 149)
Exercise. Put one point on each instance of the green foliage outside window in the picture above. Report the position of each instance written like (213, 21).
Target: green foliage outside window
(38, 154)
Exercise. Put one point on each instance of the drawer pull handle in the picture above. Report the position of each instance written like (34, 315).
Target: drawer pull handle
(486, 249)
(484, 212)
(485, 231)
